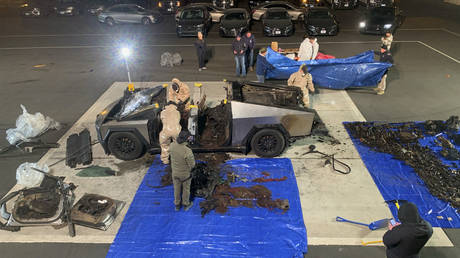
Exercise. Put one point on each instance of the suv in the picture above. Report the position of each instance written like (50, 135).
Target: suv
(254, 117)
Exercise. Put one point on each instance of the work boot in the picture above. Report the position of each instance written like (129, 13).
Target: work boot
(177, 208)
(251, 69)
(186, 208)
(380, 92)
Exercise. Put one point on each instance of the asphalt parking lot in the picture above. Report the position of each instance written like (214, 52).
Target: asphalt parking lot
(78, 61)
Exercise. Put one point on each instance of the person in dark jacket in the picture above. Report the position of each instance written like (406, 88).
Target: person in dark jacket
(406, 239)
(200, 45)
(182, 163)
(262, 65)
(239, 51)
(385, 57)
(250, 41)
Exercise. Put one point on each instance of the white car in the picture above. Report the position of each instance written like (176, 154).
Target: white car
(296, 13)
(216, 12)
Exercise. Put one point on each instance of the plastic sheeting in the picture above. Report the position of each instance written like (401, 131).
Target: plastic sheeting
(28, 177)
(339, 73)
(397, 181)
(29, 126)
(152, 228)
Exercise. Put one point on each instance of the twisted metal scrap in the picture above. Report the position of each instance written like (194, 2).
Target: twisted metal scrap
(401, 141)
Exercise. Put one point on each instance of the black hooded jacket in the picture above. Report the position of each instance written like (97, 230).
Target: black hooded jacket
(406, 240)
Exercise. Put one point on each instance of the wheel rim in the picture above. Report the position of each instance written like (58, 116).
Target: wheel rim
(110, 22)
(146, 21)
(125, 145)
(267, 143)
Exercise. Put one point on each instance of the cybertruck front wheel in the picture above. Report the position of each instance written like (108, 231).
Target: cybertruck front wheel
(125, 146)
(268, 143)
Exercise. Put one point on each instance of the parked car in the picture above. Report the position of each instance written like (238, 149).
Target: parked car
(69, 7)
(320, 21)
(191, 19)
(342, 4)
(128, 13)
(277, 22)
(254, 3)
(97, 6)
(311, 3)
(235, 21)
(379, 20)
(215, 12)
(36, 8)
(170, 6)
(258, 117)
(294, 12)
(224, 4)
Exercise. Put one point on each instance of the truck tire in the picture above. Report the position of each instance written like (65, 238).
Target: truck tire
(125, 146)
(268, 143)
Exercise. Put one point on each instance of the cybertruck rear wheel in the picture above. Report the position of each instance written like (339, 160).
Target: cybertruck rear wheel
(125, 146)
(268, 143)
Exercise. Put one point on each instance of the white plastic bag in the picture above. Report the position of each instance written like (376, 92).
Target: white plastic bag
(177, 59)
(29, 126)
(29, 177)
(166, 60)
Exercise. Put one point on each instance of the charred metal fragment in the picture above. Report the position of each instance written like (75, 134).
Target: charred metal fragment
(78, 149)
(401, 141)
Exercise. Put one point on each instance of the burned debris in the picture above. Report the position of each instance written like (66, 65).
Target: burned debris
(225, 196)
(401, 141)
(214, 123)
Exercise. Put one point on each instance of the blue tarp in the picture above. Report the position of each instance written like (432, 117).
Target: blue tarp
(338, 73)
(397, 181)
(151, 227)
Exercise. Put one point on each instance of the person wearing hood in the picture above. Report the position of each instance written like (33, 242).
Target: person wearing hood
(200, 46)
(387, 40)
(384, 57)
(170, 118)
(308, 49)
(406, 239)
(304, 81)
(179, 93)
(182, 163)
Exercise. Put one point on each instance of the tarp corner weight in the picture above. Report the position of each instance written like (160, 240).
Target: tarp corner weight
(338, 73)
(152, 228)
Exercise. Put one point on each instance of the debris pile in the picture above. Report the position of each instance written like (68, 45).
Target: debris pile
(401, 141)
(225, 196)
(214, 122)
(204, 180)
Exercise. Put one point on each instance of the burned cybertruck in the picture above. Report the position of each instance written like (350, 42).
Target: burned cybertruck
(258, 117)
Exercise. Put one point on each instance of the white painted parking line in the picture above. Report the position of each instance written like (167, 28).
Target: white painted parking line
(451, 32)
(439, 51)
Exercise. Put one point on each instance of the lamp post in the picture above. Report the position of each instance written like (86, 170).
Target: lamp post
(125, 53)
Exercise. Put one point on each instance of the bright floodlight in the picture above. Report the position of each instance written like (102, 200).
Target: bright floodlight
(125, 52)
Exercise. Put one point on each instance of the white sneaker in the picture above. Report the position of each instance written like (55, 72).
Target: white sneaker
(204, 68)
(199, 69)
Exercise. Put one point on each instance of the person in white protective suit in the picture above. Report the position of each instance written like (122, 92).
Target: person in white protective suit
(170, 118)
(179, 93)
(308, 49)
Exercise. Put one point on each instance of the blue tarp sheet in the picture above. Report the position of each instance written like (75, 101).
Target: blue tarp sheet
(151, 227)
(339, 73)
(397, 181)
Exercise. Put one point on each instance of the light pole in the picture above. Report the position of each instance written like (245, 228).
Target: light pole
(125, 53)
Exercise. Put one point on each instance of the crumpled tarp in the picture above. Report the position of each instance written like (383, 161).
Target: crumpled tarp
(398, 181)
(152, 228)
(338, 73)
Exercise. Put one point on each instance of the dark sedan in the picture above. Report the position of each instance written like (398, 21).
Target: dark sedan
(277, 22)
(235, 21)
(191, 20)
(380, 20)
(320, 21)
(69, 7)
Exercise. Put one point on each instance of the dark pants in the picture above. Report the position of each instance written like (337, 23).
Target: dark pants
(201, 58)
(250, 57)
